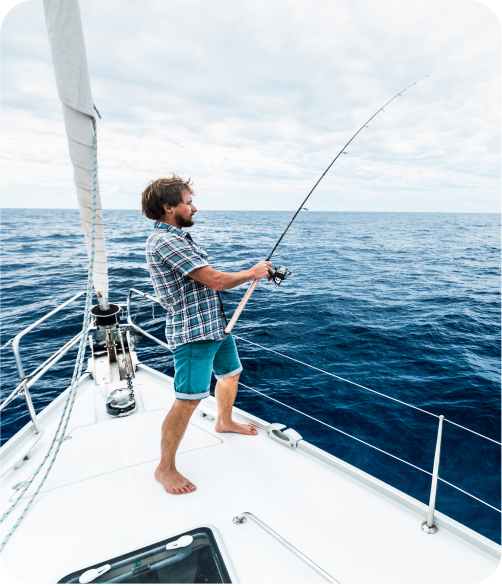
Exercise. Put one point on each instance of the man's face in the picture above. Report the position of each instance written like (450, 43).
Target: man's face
(183, 212)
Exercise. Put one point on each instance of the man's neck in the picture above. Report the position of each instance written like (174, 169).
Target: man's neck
(169, 219)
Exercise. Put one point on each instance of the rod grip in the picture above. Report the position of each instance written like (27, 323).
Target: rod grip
(242, 305)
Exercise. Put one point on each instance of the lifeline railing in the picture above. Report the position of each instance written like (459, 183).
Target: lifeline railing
(26, 382)
(428, 526)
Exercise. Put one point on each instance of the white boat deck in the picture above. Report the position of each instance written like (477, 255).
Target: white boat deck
(101, 500)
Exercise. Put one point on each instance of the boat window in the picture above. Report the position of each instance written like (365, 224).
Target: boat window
(199, 562)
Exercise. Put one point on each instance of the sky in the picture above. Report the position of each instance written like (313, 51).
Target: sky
(253, 99)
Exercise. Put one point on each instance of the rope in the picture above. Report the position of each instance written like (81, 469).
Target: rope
(336, 429)
(65, 416)
(9, 343)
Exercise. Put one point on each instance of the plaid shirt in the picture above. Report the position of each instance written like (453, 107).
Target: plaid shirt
(194, 311)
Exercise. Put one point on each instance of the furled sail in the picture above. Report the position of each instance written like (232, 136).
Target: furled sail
(66, 38)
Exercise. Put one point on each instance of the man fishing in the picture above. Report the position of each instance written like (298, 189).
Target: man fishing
(188, 289)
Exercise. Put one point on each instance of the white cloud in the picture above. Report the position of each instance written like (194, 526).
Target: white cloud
(253, 99)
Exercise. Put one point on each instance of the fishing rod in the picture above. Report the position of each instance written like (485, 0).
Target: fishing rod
(282, 272)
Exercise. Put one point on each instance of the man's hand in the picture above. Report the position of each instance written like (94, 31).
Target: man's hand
(262, 269)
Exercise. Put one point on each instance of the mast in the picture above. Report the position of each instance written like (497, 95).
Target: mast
(66, 39)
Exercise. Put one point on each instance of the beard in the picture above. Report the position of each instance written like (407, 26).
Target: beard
(183, 221)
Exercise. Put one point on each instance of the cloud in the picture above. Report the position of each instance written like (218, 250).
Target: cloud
(253, 99)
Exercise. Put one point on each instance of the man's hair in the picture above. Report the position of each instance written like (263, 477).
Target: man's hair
(168, 190)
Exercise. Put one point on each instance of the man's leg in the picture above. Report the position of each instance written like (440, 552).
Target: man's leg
(225, 392)
(173, 428)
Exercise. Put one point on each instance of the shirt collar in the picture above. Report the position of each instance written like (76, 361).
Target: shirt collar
(169, 228)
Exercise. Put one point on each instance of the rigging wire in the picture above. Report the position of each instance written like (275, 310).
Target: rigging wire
(342, 152)
(335, 428)
(365, 388)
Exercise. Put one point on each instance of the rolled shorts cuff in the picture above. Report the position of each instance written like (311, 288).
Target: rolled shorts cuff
(232, 373)
(191, 396)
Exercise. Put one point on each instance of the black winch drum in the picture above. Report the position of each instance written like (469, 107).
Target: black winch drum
(107, 318)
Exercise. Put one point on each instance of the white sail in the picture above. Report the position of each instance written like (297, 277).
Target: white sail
(66, 38)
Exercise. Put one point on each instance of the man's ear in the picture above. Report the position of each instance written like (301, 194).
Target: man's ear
(167, 209)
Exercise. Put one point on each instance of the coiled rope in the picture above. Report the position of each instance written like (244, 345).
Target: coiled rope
(68, 407)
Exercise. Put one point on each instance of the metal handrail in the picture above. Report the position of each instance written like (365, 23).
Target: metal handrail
(17, 339)
(242, 518)
(40, 370)
(27, 381)
(131, 322)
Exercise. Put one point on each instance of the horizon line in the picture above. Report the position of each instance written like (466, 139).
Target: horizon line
(268, 211)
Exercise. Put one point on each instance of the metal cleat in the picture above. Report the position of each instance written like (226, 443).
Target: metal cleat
(289, 437)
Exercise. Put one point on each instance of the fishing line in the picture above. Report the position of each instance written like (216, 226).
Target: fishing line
(281, 272)
(333, 161)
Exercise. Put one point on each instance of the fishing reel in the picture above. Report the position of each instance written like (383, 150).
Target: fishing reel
(280, 274)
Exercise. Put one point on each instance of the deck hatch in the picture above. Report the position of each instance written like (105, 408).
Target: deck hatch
(200, 562)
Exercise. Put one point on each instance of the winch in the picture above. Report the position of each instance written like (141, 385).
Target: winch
(112, 346)
(280, 274)
(106, 316)
(121, 402)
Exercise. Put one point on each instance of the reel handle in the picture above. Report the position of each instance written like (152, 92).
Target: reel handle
(242, 305)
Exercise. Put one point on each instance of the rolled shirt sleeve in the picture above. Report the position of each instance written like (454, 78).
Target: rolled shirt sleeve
(179, 255)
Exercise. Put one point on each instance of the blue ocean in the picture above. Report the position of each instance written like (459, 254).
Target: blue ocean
(406, 304)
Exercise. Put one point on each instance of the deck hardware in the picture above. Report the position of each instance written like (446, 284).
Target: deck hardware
(202, 414)
(91, 575)
(20, 463)
(182, 541)
(289, 437)
(243, 517)
(20, 485)
(93, 358)
(21, 456)
(428, 526)
(106, 319)
(120, 403)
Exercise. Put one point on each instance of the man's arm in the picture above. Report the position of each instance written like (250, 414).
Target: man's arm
(217, 281)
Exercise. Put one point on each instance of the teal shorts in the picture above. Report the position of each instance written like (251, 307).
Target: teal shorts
(196, 361)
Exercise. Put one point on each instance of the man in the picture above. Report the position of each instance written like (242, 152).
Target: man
(187, 287)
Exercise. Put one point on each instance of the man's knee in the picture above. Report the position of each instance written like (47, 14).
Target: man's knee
(186, 404)
(230, 380)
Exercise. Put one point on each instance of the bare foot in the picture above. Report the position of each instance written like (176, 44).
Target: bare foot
(173, 482)
(232, 426)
